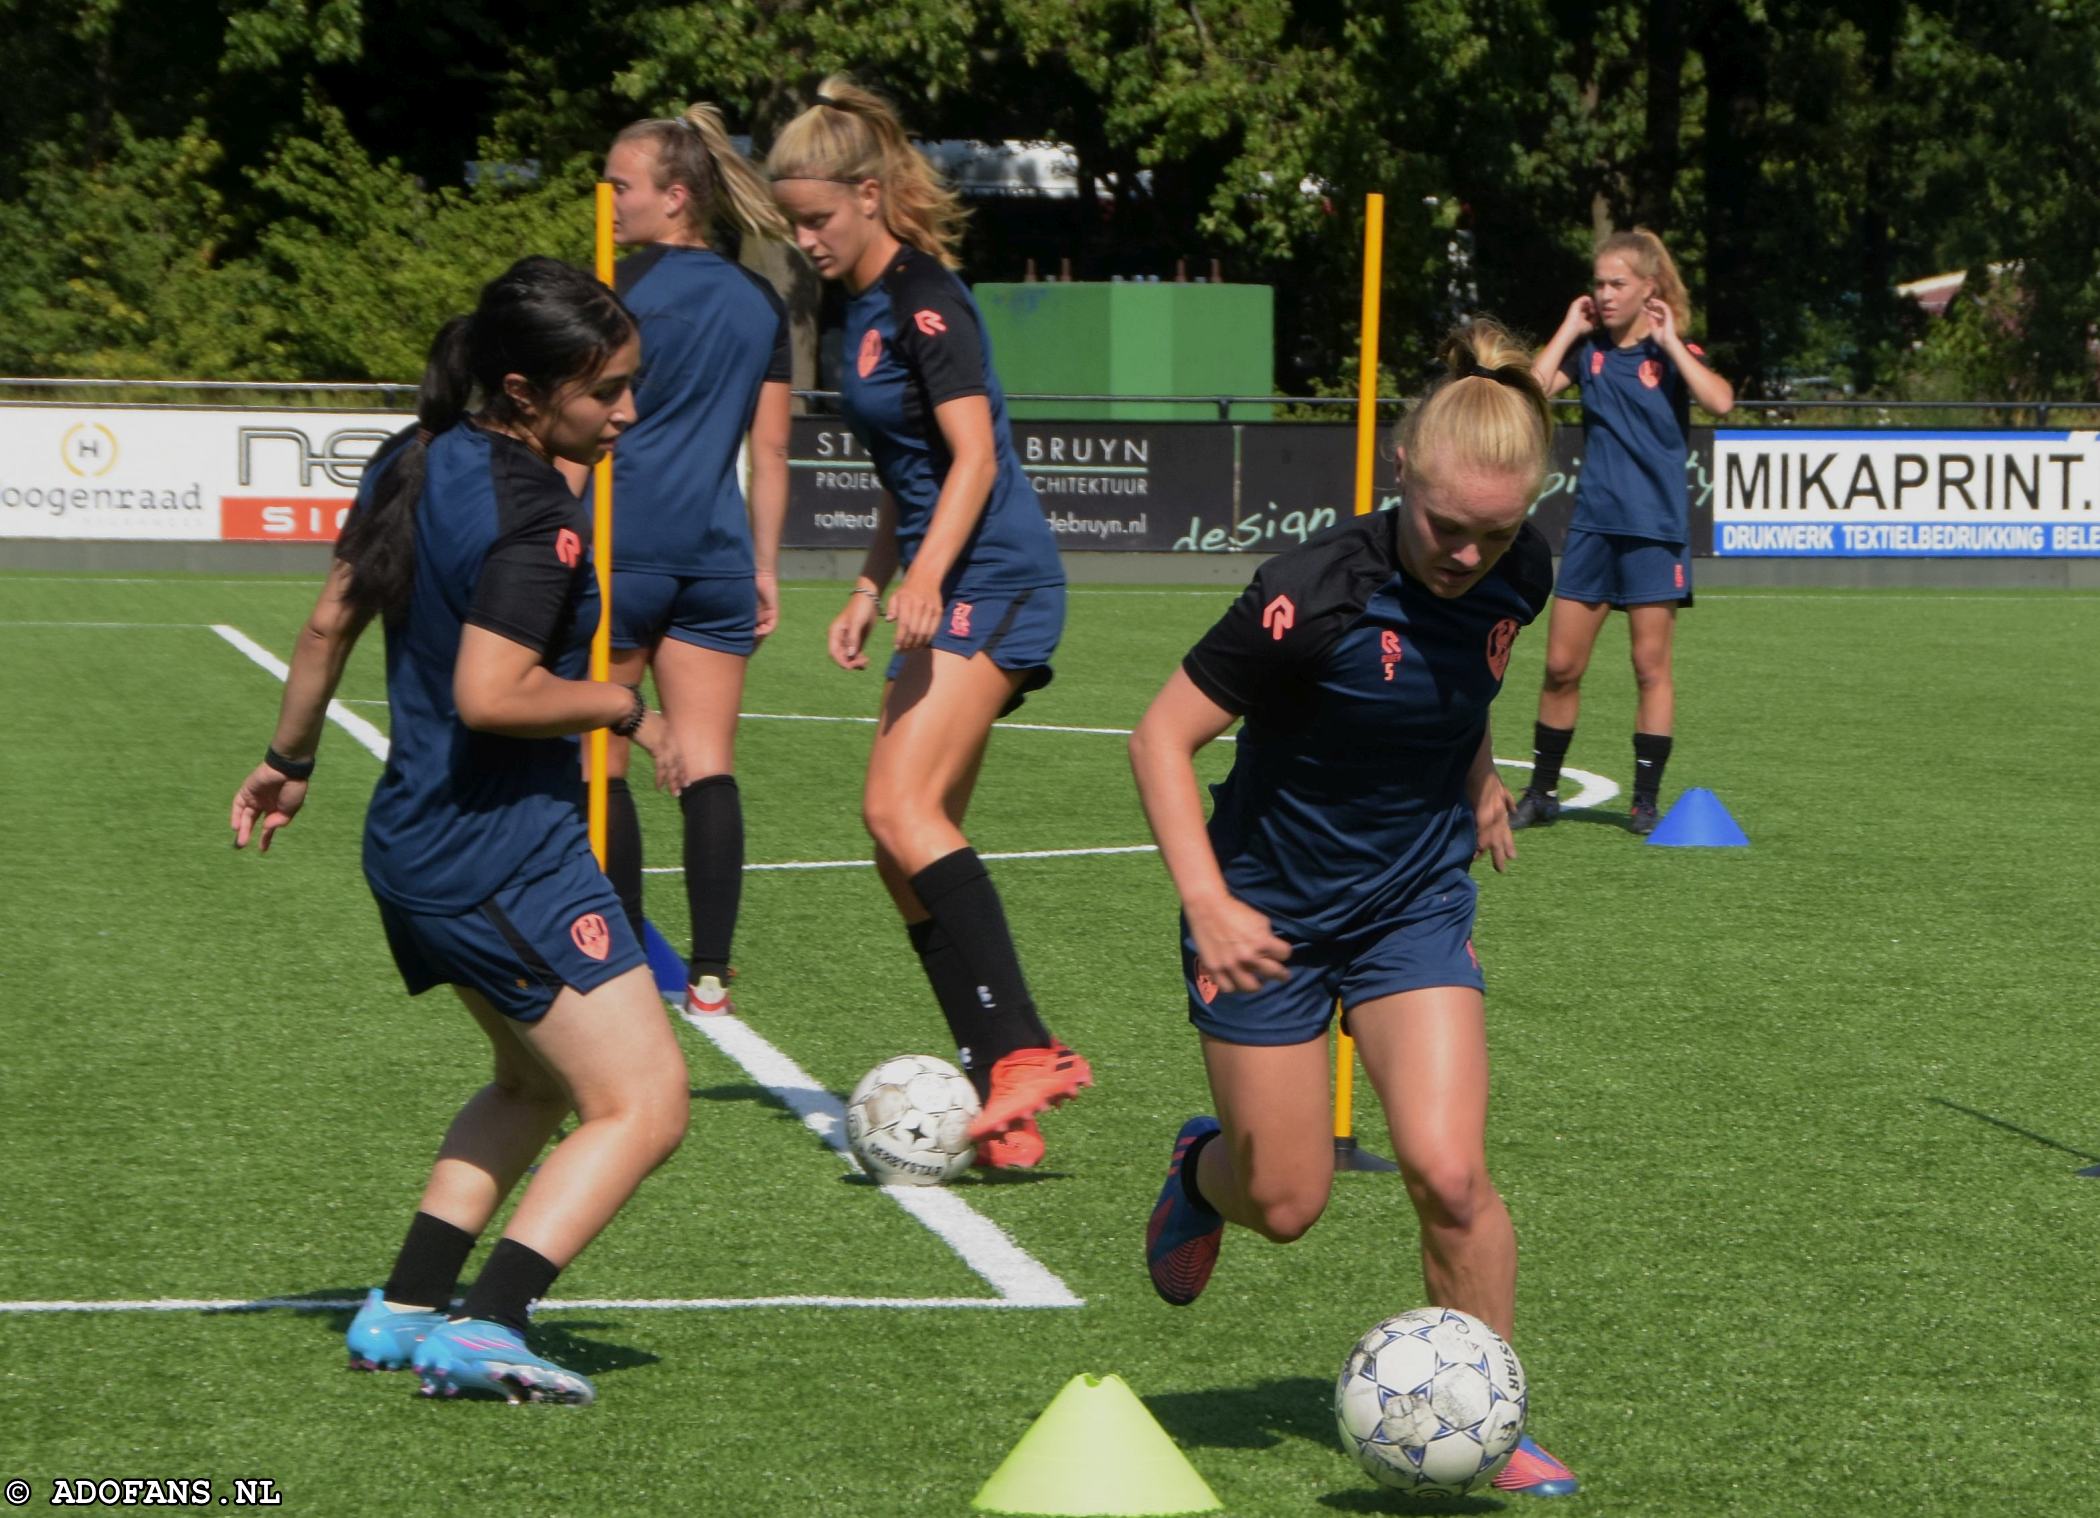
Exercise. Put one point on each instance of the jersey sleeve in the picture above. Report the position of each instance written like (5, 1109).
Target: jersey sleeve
(938, 337)
(530, 573)
(780, 367)
(1529, 567)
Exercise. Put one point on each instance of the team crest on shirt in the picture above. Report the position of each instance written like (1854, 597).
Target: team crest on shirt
(959, 620)
(1389, 651)
(929, 322)
(870, 352)
(1278, 617)
(1206, 988)
(568, 548)
(1651, 372)
(1596, 362)
(591, 935)
(1500, 637)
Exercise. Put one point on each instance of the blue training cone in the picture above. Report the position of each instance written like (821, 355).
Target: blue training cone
(1699, 821)
(665, 962)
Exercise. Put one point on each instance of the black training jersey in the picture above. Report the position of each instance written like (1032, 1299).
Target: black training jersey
(713, 332)
(1365, 697)
(1636, 431)
(501, 544)
(914, 340)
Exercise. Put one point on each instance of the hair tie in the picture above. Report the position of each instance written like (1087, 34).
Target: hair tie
(827, 100)
(1475, 370)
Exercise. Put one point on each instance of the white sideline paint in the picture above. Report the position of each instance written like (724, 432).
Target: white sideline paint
(869, 864)
(371, 737)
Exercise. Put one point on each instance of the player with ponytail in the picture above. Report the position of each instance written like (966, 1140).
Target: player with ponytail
(695, 566)
(1334, 866)
(1628, 544)
(982, 602)
(475, 553)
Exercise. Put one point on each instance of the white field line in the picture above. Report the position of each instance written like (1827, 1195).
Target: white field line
(980, 1243)
(869, 864)
(371, 737)
(579, 1304)
(30, 623)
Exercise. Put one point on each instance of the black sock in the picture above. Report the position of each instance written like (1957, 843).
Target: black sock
(426, 1272)
(1651, 751)
(623, 850)
(1000, 1017)
(1549, 748)
(954, 990)
(514, 1278)
(1189, 1188)
(714, 869)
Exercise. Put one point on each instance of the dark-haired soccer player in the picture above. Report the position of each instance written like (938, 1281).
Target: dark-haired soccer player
(476, 553)
(1334, 865)
(1624, 344)
(982, 603)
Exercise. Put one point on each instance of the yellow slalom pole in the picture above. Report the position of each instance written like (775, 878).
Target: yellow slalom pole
(601, 557)
(1346, 1155)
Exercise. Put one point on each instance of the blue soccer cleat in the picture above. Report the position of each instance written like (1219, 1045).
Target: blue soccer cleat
(1181, 1241)
(475, 1355)
(1531, 1472)
(382, 1339)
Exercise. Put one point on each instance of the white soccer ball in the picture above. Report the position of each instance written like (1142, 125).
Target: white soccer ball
(908, 1121)
(1431, 1402)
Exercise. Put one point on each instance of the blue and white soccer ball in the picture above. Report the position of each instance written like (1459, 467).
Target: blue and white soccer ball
(1431, 1402)
(908, 1121)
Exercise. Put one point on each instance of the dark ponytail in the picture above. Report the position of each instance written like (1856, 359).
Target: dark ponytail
(542, 319)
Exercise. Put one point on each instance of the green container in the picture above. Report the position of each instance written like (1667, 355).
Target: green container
(1131, 339)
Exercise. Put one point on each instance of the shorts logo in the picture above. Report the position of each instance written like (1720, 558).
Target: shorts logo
(1680, 575)
(870, 352)
(1651, 372)
(568, 548)
(591, 935)
(929, 322)
(959, 620)
(1206, 988)
(1597, 363)
(1500, 637)
(1278, 616)
(1471, 955)
(1389, 651)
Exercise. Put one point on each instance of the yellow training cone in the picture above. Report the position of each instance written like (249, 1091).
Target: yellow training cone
(1096, 1453)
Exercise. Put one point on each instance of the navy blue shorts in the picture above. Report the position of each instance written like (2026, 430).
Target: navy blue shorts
(1018, 631)
(719, 614)
(1429, 942)
(1612, 569)
(523, 944)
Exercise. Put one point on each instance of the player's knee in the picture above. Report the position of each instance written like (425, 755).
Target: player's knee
(891, 820)
(1285, 1217)
(1450, 1193)
(661, 1124)
(1564, 673)
(1651, 674)
(529, 1087)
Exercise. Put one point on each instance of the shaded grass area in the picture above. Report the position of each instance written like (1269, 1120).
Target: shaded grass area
(1789, 1132)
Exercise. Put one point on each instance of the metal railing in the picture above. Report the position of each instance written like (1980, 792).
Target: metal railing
(1775, 413)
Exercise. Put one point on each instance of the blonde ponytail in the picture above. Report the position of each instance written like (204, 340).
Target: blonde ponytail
(694, 150)
(1649, 259)
(1486, 412)
(852, 134)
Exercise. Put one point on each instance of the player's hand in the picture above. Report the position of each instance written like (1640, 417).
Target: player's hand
(654, 738)
(1236, 946)
(1661, 318)
(1582, 315)
(916, 609)
(267, 798)
(1492, 835)
(768, 602)
(848, 636)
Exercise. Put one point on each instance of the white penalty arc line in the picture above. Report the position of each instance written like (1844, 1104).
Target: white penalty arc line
(576, 1304)
(981, 1244)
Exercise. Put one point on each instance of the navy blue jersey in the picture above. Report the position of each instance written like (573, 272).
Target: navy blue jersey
(713, 332)
(914, 340)
(501, 544)
(1366, 698)
(1636, 431)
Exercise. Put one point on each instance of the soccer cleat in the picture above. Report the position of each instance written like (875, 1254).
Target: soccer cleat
(1643, 817)
(1026, 1082)
(1018, 1148)
(475, 1355)
(382, 1339)
(708, 997)
(1534, 1473)
(1181, 1240)
(1534, 809)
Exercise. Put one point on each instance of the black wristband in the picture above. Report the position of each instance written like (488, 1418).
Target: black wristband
(631, 724)
(291, 769)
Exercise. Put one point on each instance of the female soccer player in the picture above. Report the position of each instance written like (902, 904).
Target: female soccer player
(1335, 862)
(982, 602)
(695, 582)
(1626, 546)
(476, 553)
